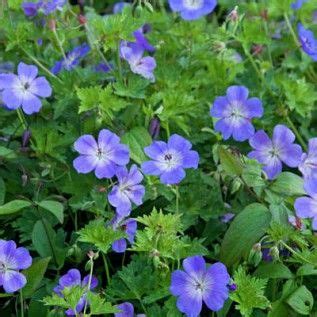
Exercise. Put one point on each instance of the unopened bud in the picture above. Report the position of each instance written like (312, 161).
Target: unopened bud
(81, 19)
(52, 24)
(234, 15)
(26, 138)
(154, 127)
(257, 49)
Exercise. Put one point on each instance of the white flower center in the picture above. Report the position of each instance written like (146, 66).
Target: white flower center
(170, 160)
(193, 4)
(3, 267)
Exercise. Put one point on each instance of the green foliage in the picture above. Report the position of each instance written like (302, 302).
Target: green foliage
(97, 234)
(101, 100)
(250, 293)
(14, 206)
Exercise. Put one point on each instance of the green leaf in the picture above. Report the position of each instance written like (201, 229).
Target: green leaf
(245, 230)
(99, 235)
(34, 276)
(306, 269)
(273, 270)
(230, 163)
(7, 153)
(249, 293)
(2, 191)
(46, 242)
(99, 306)
(301, 300)
(137, 139)
(288, 184)
(55, 207)
(14, 206)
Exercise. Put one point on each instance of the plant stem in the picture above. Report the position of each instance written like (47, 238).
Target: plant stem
(22, 118)
(89, 281)
(177, 199)
(106, 267)
(295, 253)
(119, 62)
(37, 62)
(59, 43)
(295, 130)
(289, 25)
(22, 303)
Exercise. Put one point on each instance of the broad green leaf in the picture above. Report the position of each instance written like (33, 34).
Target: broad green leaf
(34, 276)
(137, 139)
(245, 230)
(55, 207)
(99, 305)
(273, 270)
(288, 184)
(13, 207)
(301, 300)
(45, 242)
(230, 163)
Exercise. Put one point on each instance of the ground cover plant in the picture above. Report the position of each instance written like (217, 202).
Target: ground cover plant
(158, 158)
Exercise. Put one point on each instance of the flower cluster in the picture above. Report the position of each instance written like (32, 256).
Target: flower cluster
(71, 279)
(13, 259)
(23, 90)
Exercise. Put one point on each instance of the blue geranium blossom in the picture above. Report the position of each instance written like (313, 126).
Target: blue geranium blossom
(170, 159)
(72, 59)
(308, 41)
(192, 9)
(46, 6)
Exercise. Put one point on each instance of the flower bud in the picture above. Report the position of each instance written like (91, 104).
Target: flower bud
(233, 15)
(154, 127)
(52, 24)
(81, 19)
(26, 138)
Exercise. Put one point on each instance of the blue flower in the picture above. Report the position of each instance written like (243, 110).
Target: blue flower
(31, 9)
(271, 153)
(72, 59)
(127, 190)
(170, 159)
(129, 226)
(308, 41)
(192, 9)
(103, 156)
(235, 111)
(198, 284)
(133, 54)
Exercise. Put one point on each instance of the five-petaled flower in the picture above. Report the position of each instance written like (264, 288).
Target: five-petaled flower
(271, 153)
(127, 190)
(13, 259)
(170, 159)
(192, 9)
(71, 279)
(129, 227)
(72, 59)
(308, 164)
(235, 111)
(308, 41)
(139, 64)
(103, 156)
(23, 90)
(306, 207)
(126, 310)
(198, 284)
